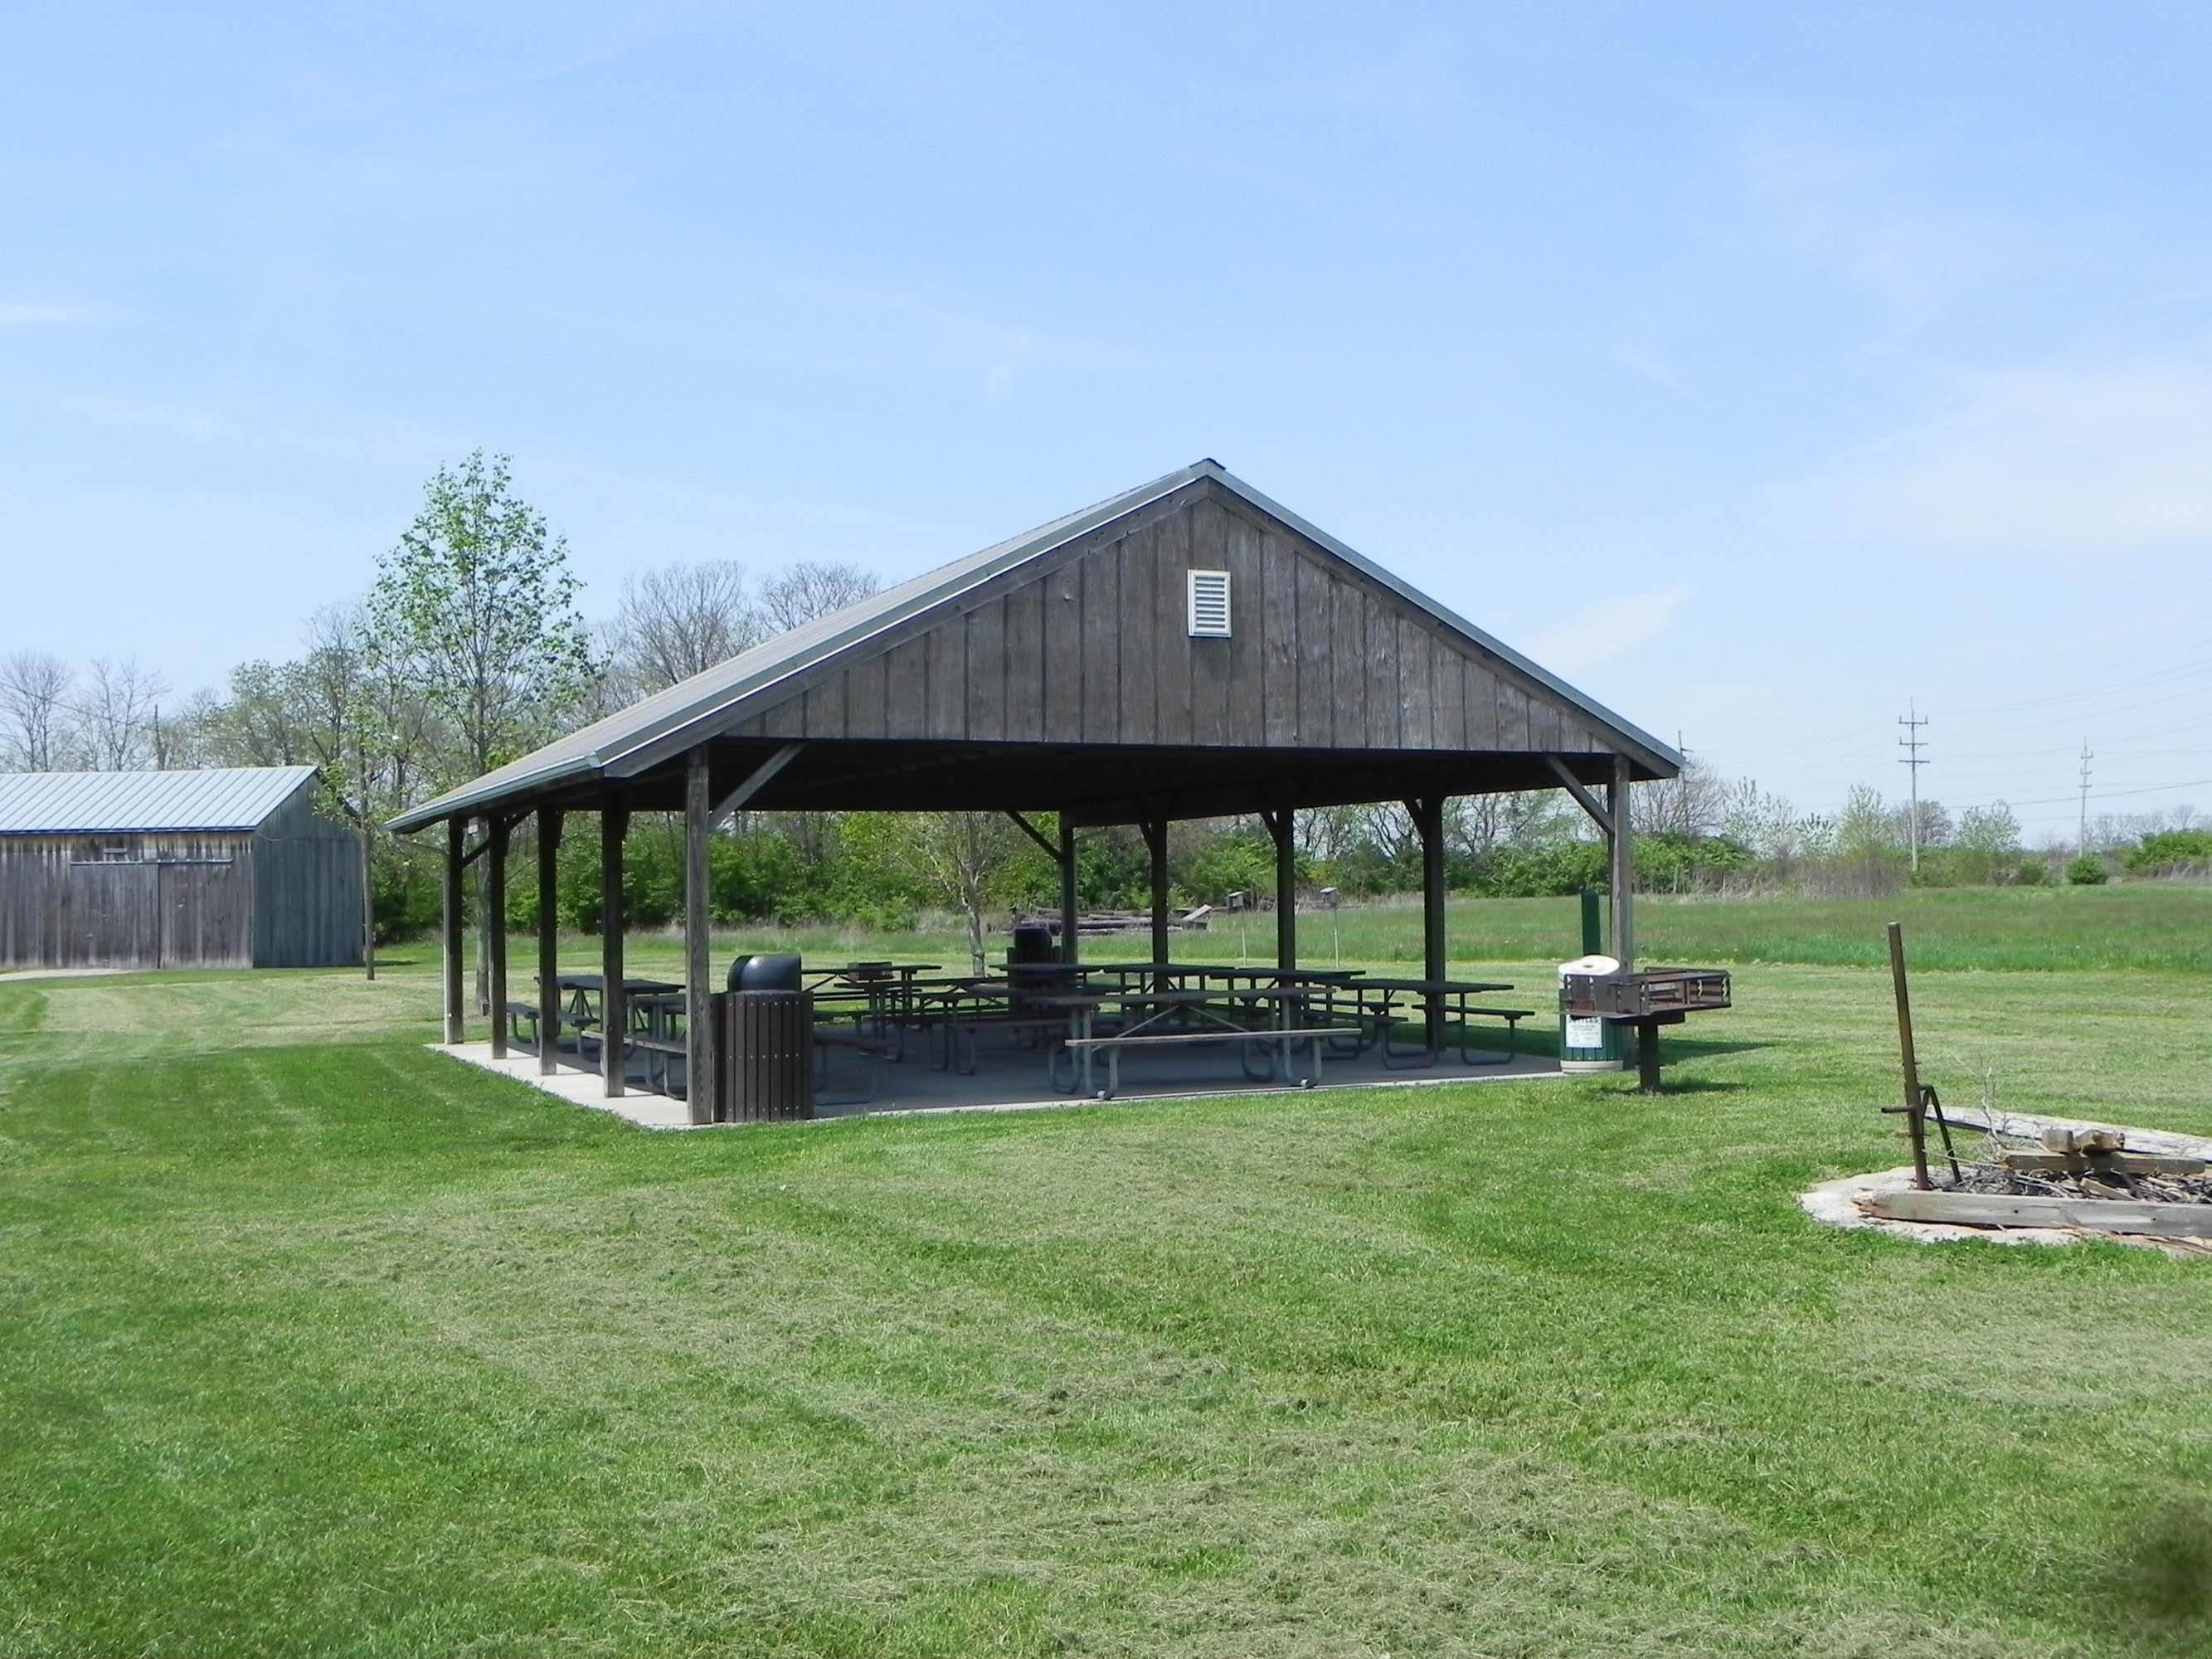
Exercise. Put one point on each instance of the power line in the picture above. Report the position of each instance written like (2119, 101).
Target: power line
(2087, 755)
(2076, 696)
(1912, 743)
(2102, 794)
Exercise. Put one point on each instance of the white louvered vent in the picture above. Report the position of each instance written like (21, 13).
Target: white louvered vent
(1209, 604)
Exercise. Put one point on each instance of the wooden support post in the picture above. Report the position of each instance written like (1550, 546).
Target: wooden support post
(614, 1017)
(1429, 819)
(368, 900)
(1282, 824)
(452, 931)
(1067, 934)
(1156, 843)
(549, 946)
(701, 1075)
(1623, 840)
(1647, 1059)
(483, 920)
(1914, 1108)
(494, 932)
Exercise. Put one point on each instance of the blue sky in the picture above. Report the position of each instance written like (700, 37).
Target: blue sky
(1758, 367)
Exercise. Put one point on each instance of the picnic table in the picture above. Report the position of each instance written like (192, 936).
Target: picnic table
(582, 997)
(1375, 1001)
(879, 988)
(1223, 1013)
(579, 991)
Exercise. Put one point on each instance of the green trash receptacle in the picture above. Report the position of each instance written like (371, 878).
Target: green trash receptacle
(1587, 1043)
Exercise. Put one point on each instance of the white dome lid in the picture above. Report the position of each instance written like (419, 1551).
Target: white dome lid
(1589, 965)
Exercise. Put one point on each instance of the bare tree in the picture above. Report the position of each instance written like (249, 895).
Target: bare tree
(116, 711)
(34, 700)
(1475, 823)
(1326, 834)
(1533, 817)
(1390, 829)
(185, 735)
(681, 621)
(1690, 806)
(1935, 827)
(333, 687)
(799, 592)
(260, 722)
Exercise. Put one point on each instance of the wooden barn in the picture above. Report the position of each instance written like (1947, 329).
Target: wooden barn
(229, 867)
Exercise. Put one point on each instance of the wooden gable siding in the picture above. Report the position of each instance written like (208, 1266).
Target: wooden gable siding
(1094, 647)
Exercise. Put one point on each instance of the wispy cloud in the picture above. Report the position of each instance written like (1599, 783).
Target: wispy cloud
(1651, 368)
(1863, 214)
(1607, 630)
(58, 314)
(2085, 459)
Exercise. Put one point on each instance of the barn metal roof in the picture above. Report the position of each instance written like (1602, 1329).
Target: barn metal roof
(647, 732)
(118, 803)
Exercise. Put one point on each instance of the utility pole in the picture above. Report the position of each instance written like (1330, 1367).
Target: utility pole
(1913, 743)
(2082, 844)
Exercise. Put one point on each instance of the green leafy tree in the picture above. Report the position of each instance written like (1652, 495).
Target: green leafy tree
(476, 606)
(966, 860)
(476, 610)
(1986, 842)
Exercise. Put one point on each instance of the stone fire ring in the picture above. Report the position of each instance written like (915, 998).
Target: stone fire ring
(1835, 1203)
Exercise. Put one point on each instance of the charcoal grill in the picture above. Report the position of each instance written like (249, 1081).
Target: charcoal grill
(1645, 1001)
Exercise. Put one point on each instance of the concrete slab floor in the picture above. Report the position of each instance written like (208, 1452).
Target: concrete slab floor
(1008, 1077)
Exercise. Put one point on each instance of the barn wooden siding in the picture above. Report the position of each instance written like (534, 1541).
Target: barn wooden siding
(1094, 648)
(287, 895)
(306, 897)
(178, 900)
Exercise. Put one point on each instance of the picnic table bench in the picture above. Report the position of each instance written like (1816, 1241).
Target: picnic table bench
(660, 1051)
(1280, 1039)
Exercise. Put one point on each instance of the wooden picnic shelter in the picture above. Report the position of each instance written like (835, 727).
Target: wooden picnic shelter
(1186, 649)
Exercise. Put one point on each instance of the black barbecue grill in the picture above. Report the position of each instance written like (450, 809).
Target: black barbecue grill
(1646, 1000)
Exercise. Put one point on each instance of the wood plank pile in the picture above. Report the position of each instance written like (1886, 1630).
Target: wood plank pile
(2080, 1179)
(1126, 922)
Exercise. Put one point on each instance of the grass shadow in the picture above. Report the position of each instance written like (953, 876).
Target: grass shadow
(2160, 1578)
(1696, 1086)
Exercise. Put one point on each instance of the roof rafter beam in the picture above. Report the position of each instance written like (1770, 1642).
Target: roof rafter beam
(1051, 849)
(1575, 786)
(761, 775)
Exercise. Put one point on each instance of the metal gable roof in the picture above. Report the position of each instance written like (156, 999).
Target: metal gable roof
(121, 803)
(640, 736)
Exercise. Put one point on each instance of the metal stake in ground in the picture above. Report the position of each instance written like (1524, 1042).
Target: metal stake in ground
(1914, 1108)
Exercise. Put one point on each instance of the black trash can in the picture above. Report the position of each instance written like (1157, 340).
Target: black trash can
(770, 970)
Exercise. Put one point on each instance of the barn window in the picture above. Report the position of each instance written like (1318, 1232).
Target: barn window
(106, 849)
(1209, 604)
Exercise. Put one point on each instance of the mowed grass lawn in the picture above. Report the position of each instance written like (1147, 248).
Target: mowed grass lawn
(316, 1342)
